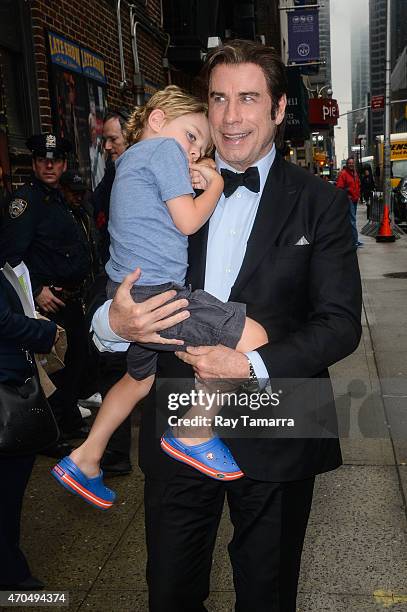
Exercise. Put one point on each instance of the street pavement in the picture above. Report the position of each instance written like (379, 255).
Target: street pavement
(355, 555)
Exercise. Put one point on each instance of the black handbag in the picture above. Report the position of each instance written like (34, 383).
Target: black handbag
(27, 423)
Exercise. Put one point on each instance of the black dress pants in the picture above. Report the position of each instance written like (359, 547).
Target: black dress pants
(14, 475)
(182, 519)
(68, 380)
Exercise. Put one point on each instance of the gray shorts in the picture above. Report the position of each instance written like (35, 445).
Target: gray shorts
(211, 322)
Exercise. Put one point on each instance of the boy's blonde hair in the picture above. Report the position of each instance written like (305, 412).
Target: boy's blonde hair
(172, 100)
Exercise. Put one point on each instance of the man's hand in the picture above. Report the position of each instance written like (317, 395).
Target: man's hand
(47, 301)
(142, 322)
(216, 362)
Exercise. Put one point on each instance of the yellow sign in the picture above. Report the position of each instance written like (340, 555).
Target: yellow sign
(398, 150)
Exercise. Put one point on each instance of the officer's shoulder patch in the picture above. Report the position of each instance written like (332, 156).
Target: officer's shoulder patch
(17, 207)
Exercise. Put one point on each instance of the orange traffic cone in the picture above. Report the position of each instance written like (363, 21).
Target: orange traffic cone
(385, 233)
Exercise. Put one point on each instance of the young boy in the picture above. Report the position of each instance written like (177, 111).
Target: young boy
(152, 213)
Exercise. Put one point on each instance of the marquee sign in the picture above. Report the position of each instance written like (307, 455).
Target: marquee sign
(70, 56)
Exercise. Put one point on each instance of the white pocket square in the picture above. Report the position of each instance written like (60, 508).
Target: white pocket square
(302, 241)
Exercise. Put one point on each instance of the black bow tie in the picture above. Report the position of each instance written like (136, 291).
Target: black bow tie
(249, 179)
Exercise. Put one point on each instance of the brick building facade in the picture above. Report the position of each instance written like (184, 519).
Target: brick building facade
(91, 25)
(64, 64)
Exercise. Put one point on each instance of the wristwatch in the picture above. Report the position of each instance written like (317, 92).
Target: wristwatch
(252, 383)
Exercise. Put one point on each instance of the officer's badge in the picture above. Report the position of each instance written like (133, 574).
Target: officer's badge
(51, 141)
(17, 207)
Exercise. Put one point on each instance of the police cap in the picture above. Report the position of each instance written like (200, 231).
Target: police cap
(49, 146)
(73, 180)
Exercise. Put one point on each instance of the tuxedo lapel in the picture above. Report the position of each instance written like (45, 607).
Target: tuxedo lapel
(277, 201)
(197, 257)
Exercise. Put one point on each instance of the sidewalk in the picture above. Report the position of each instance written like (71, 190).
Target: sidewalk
(355, 556)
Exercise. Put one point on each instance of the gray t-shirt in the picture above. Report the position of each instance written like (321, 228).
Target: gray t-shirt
(142, 232)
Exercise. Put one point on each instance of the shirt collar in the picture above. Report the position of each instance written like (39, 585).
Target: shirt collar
(264, 164)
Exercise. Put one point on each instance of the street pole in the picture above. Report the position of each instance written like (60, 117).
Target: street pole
(387, 115)
(385, 233)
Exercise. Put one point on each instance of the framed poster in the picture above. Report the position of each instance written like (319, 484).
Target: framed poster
(78, 97)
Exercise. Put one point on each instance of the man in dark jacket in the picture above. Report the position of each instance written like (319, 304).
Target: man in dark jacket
(114, 144)
(286, 251)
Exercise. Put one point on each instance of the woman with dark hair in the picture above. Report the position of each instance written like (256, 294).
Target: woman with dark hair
(19, 337)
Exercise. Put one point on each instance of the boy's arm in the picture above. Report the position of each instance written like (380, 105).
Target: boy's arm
(190, 214)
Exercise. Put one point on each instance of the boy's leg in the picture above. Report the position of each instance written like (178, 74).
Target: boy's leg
(253, 336)
(116, 459)
(117, 405)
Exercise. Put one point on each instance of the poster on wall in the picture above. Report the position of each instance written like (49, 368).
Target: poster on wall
(70, 115)
(78, 96)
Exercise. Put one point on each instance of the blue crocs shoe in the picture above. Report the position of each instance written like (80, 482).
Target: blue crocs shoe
(212, 458)
(92, 490)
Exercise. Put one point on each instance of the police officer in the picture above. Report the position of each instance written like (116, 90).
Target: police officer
(41, 230)
(75, 191)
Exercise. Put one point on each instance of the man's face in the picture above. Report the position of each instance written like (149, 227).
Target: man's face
(240, 114)
(351, 164)
(49, 171)
(113, 140)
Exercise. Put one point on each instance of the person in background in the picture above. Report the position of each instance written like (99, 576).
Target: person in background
(75, 192)
(41, 230)
(74, 189)
(111, 366)
(18, 334)
(114, 143)
(348, 180)
(367, 186)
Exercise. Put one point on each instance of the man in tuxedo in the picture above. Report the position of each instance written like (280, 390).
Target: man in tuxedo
(282, 244)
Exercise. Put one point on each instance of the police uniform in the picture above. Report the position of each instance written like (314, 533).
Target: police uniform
(41, 230)
(74, 182)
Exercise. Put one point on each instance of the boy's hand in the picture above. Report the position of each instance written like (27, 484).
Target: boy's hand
(204, 173)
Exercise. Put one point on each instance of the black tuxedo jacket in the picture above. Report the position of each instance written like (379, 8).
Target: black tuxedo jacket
(308, 298)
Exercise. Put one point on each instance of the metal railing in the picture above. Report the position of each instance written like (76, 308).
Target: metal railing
(375, 215)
